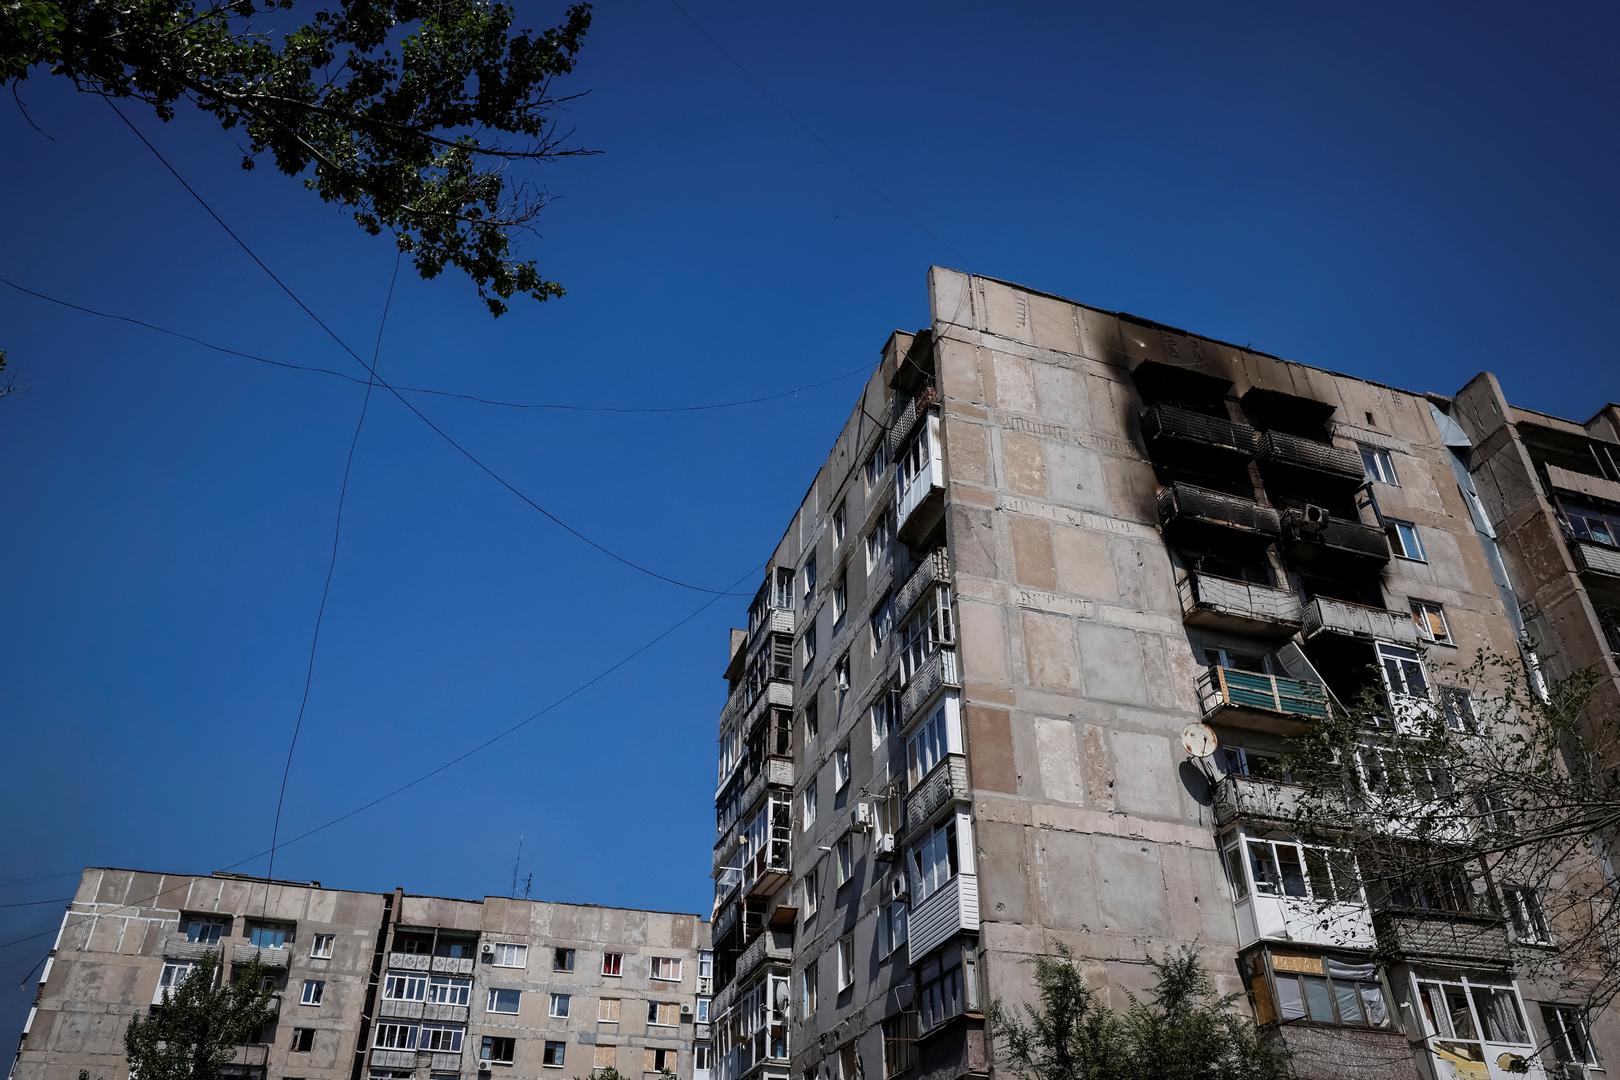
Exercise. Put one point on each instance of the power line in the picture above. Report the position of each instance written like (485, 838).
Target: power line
(37, 903)
(331, 567)
(401, 398)
(558, 406)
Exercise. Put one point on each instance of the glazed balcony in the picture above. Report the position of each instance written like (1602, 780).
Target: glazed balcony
(1363, 622)
(1256, 700)
(1341, 541)
(936, 673)
(949, 910)
(1186, 509)
(1597, 559)
(945, 785)
(1169, 430)
(1443, 936)
(1307, 460)
(1239, 607)
(935, 569)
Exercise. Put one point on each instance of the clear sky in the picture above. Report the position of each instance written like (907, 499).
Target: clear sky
(1411, 195)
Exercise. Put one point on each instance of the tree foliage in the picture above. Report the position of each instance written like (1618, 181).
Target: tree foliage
(1184, 1031)
(196, 1028)
(1503, 784)
(393, 109)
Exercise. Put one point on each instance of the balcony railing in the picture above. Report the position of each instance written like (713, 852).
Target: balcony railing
(1335, 537)
(778, 692)
(269, 957)
(1247, 798)
(1332, 463)
(906, 412)
(1168, 425)
(1186, 504)
(1222, 689)
(724, 920)
(777, 772)
(1224, 603)
(253, 1055)
(1325, 615)
(936, 673)
(776, 621)
(1593, 558)
(935, 569)
(408, 961)
(1579, 483)
(770, 946)
(945, 784)
(452, 965)
(1442, 936)
(177, 947)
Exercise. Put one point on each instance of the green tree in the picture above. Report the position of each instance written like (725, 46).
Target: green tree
(399, 111)
(197, 1027)
(1183, 1031)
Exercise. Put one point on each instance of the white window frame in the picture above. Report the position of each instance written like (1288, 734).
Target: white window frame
(1566, 1026)
(1405, 659)
(173, 973)
(1422, 610)
(846, 962)
(510, 954)
(843, 861)
(320, 946)
(880, 539)
(807, 575)
(932, 855)
(935, 739)
(553, 1053)
(810, 890)
(617, 965)
(703, 1003)
(1526, 916)
(807, 645)
(559, 1005)
(399, 1036)
(841, 767)
(670, 963)
(405, 985)
(494, 996)
(313, 992)
(1378, 465)
(204, 929)
(1408, 541)
(840, 520)
(449, 990)
(440, 1037)
(807, 803)
(1468, 986)
(808, 990)
(877, 463)
(893, 920)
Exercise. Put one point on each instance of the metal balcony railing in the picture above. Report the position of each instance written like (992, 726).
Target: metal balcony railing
(1593, 558)
(1222, 688)
(945, 785)
(904, 416)
(1325, 615)
(270, 958)
(1249, 798)
(935, 569)
(1337, 536)
(1331, 462)
(177, 947)
(452, 965)
(777, 772)
(1166, 424)
(1217, 601)
(1443, 936)
(937, 672)
(406, 961)
(1186, 503)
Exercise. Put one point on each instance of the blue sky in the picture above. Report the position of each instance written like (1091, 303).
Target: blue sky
(1409, 195)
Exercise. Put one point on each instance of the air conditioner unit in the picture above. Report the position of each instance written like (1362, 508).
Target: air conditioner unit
(898, 887)
(488, 949)
(686, 1010)
(861, 817)
(884, 846)
(484, 1064)
(1314, 518)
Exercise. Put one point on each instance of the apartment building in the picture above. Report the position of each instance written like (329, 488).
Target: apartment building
(378, 986)
(1048, 543)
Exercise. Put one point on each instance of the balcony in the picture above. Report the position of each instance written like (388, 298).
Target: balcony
(936, 673)
(1308, 461)
(253, 1055)
(176, 947)
(1583, 484)
(1169, 430)
(776, 621)
(1252, 699)
(1247, 798)
(1363, 622)
(768, 947)
(1239, 607)
(945, 785)
(1193, 512)
(935, 569)
(904, 416)
(725, 920)
(403, 1010)
(408, 961)
(777, 773)
(1597, 559)
(270, 958)
(778, 692)
(950, 909)
(1443, 936)
(392, 1059)
(1334, 541)
(452, 965)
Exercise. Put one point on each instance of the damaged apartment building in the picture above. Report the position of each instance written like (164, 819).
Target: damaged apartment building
(377, 986)
(1047, 540)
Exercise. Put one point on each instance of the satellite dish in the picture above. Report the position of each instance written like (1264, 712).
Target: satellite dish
(1199, 740)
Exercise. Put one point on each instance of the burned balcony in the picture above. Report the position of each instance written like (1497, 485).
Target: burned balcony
(1447, 937)
(1315, 538)
(1237, 606)
(1201, 515)
(1257, 700)
(1176, 434)
(776, 773)
(1325, 615)
(1295, 459)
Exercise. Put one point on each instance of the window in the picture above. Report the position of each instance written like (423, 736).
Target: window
(562, 959)
(808, 801)
(501, 1048)
(899, 1044)
(444, 1038)
(1260, 764)
(944, 992)
(841, 679)
(840, 601)
(607, 1010)
(808, 644)
(882, 621)
(846, 962)
(839, 521)
(1379, 465)
(510, 955)
(1290, 868)
(1458, 1013)
(917, 458)
(1589, 523)
(314, 992)
(449, 990)
(659, 1059)
(926, 632)
(877, 462)
(844, 860)
(169, 979)
(603, 1057)
(841, 767)
(321, 947)
(1328, 991)
(613, 964)
(1431, 622)
(936, 737)
(666, 968)
(203, 929)
(879, 539)
(812, 721)
(892, 927)
(395, 1036)
(1567, 1030)
(883, 718)
(807, 988)
(267, 936)
(705, 963)
(554, 1053)
(1403, 670)
(559, 1006)
(934, 859)
(663, 1013)
(303, 1039)
(404, 986)
(1404, 540)
(810, 887)
(700, 1057)
(1457, 705)
(808, 575)
(502, 1001)
(703, 1003)
(1525, 915)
